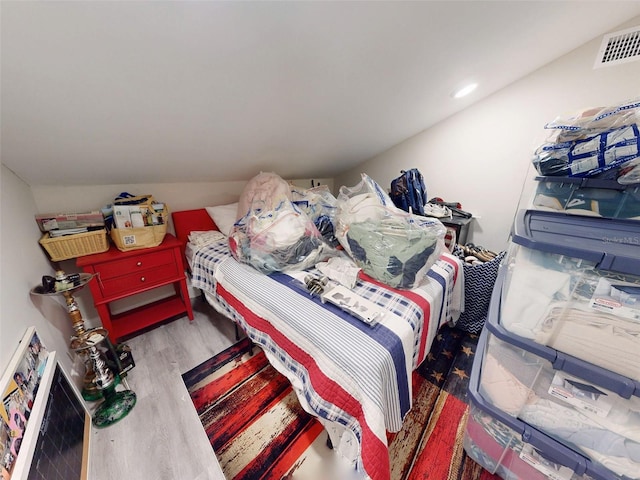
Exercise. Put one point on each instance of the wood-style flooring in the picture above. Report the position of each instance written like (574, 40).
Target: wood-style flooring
(162, 438)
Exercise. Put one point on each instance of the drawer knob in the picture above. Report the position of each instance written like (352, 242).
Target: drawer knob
(142, 279)
(139, 264)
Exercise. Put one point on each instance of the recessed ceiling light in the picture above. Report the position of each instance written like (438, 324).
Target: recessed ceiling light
(466, 90)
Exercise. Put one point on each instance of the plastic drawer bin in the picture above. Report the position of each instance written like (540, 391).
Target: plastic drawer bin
(573, 283)
(501, 442)
(586, 417)
(586, 196)
(500, 450)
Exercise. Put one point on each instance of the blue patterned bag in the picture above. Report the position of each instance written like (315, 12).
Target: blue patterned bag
(479, 281)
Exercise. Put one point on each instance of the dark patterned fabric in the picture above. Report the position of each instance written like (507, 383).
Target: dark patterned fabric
(448, 364)
(479, 281)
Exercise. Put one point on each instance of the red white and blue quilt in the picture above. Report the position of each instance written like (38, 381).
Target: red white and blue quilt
(356, 378)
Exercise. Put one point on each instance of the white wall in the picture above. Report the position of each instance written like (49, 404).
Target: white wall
(23, 264)
(178, 196)
(481, 156)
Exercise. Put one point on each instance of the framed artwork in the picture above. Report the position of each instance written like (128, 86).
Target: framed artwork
(20, 385)
(40, 409)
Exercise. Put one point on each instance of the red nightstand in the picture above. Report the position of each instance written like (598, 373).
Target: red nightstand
(123, 274)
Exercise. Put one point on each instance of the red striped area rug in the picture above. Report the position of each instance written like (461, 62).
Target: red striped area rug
(258, 429)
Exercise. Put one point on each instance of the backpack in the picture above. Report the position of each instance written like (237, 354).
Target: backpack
(408, 191)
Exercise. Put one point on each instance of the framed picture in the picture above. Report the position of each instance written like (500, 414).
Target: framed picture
(40, 414)
(20, 385)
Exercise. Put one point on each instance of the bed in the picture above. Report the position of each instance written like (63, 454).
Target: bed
(356, 378)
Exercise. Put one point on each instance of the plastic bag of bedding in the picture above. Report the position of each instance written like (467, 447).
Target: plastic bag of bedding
(591, 142)
(275, 235)
(392, 246)
(320, 206)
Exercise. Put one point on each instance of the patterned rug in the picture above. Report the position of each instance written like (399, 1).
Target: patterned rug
(259, 430)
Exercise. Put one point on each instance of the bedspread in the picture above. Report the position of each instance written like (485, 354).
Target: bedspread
(354, 377)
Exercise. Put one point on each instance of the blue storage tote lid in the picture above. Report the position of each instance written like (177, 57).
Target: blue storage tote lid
(548, 447)
(586, 182)
(623, 386)
(612, 244)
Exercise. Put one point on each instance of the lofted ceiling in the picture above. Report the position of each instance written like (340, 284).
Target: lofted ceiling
(177, 91)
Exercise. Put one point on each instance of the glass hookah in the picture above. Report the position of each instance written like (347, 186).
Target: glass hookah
(99, 381)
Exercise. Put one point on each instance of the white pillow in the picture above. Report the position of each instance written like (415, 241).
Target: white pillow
(224, 216)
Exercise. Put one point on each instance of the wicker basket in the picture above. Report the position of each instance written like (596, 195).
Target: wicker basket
(72, 246)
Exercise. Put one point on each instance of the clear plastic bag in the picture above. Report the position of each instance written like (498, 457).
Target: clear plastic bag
(591, 142)
(591, 121)
(275, 235)
(392, 246)
(320, 206)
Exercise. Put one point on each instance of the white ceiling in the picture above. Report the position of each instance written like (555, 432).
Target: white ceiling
(177, 91)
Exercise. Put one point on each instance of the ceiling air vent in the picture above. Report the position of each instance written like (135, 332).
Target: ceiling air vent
(619, 47)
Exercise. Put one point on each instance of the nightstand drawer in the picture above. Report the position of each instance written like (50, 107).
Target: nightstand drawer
(138, 263)
(136, 281)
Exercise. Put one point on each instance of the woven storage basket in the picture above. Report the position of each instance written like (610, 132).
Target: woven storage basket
(126, 239)
(479, 281)
(72, 246)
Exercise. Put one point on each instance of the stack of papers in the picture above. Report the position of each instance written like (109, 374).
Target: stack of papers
(67, 231)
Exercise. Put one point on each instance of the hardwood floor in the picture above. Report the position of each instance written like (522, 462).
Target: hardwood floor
(162, 438)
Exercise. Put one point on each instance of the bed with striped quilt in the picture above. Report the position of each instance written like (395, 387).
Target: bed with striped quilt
(354, 377)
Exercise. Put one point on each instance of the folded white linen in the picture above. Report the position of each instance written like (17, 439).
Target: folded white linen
(200, 239)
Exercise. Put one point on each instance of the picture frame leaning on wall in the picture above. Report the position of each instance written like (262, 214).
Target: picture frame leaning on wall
(34, 389)
(22, 407)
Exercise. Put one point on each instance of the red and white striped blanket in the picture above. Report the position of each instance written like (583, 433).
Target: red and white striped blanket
(354, 377)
